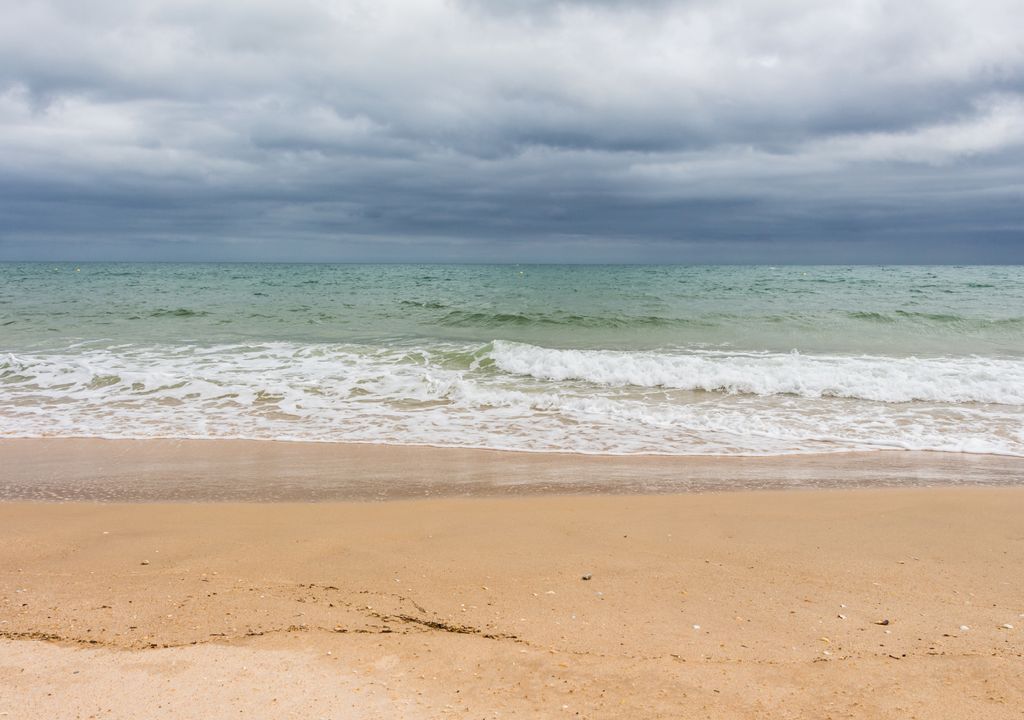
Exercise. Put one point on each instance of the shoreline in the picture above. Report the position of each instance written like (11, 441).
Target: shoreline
(882, 603)
(510, 451)
(159, 470)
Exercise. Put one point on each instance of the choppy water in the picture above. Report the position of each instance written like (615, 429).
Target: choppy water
(669, 360)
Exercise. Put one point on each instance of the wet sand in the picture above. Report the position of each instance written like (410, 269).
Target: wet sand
(865, 603)
(70, 469)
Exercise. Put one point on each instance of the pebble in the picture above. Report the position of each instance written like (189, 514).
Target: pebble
(841, 616)
(965, 628)
(1007, 626)
(882, 622)
(696, 627)
(144, 562)
(587, 576)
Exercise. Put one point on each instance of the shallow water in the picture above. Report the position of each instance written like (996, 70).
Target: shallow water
(610, 359)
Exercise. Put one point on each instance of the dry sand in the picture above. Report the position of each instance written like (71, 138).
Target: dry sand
(723, 605)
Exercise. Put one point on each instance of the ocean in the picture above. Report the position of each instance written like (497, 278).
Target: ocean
(668, 360)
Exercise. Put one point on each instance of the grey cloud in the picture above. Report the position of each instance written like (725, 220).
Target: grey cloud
(656, 130)
(547, 8)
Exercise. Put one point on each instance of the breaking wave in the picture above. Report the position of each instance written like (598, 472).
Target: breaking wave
(879, 379)
(507, 395)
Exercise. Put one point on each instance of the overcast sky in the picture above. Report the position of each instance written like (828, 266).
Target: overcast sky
(480, 130)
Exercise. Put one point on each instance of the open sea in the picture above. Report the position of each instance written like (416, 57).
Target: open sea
(673, 360)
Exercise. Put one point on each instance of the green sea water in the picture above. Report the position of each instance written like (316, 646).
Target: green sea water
(606, 359)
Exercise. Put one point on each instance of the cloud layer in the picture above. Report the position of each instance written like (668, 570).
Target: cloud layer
(480, 130)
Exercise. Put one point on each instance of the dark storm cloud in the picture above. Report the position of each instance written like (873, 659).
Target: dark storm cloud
(484, 129)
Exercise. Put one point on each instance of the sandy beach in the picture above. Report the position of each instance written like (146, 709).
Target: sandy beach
(480, 359)
(865, 603)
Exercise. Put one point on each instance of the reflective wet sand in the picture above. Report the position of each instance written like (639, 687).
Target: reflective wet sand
(265, 471)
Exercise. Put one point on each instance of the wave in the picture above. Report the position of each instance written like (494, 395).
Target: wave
(939, 319)
(933, 322)
(467, 318)
(515, 396)
(880, 379)
(426, 305)
(178, 312)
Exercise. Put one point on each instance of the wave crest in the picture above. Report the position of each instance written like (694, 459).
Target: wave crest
(880, 379)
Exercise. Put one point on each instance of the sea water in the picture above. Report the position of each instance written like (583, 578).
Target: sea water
(731, 360)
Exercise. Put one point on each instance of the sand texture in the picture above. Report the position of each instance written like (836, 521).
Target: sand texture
(77, 469)
(719, 605)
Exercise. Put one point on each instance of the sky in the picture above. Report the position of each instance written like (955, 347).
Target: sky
(498, 131)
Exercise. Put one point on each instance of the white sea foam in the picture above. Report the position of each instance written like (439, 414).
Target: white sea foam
(881, 379)
(513, 396)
